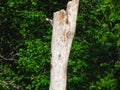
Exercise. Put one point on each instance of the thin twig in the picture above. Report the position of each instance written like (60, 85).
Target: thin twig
(7, 59)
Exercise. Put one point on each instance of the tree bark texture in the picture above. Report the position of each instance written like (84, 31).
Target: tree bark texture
(64, 24)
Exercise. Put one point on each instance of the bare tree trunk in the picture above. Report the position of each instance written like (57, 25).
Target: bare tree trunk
(64, 24)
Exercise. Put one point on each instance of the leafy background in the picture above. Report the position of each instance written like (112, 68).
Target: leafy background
(25, 42)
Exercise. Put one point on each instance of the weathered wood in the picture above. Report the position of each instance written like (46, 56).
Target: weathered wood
(64, 24)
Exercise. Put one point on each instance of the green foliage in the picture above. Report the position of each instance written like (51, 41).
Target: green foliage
(97, 47)
(33, 64)
(25, 36)
(105, 82)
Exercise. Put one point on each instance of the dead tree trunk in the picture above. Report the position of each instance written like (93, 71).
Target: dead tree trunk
(64, 24)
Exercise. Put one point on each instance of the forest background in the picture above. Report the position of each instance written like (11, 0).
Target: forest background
(25, 43)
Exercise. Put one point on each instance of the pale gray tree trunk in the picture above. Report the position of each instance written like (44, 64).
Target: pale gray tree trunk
(64, 24)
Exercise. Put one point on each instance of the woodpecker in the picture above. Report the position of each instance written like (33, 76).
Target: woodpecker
(49, 20)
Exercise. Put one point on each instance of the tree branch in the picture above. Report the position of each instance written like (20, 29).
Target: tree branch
(7, 59)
